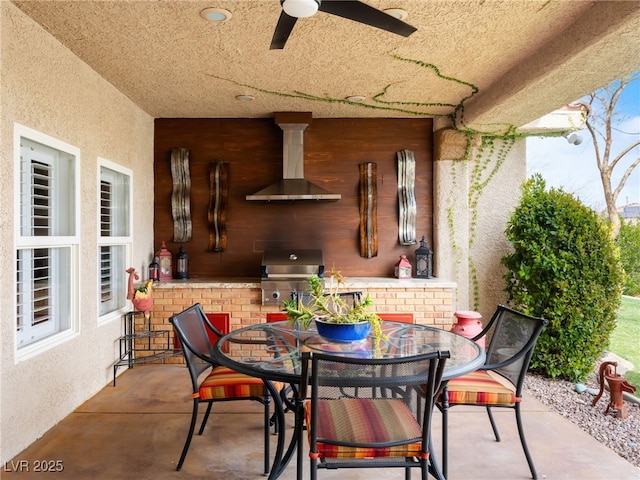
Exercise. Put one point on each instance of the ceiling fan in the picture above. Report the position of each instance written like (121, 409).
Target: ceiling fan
(353, 10)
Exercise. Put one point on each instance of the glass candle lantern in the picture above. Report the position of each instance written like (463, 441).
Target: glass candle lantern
(424, 260)
(154, 270)
(182, 264)
(403, 268)
(164, 259)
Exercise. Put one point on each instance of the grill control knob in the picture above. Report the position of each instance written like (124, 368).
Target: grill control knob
(276, 295)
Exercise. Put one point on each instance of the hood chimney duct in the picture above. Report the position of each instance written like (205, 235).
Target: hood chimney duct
(293, 185)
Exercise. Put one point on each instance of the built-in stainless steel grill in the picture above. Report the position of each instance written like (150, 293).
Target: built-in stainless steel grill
(287, 271)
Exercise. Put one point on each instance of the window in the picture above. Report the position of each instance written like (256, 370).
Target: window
(115, 241)
(47, 241)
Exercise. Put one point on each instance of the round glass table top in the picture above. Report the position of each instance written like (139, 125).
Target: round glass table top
(272, 350)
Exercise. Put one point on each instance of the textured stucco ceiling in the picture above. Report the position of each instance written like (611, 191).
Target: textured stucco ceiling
(507, 62)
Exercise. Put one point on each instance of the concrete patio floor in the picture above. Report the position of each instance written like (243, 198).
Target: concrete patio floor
(136, 430)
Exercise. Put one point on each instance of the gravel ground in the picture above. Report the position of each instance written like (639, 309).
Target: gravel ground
(620, 435)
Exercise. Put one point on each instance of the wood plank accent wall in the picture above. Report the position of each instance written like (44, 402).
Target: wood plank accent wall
(334, 148)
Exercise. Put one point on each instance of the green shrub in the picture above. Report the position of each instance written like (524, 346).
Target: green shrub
(629, 243)
(566, 268)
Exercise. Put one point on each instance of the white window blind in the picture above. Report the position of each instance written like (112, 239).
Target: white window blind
(115, 236)
(47, 245)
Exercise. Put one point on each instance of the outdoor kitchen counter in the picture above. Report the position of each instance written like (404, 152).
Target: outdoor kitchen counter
(238, 300)
(351, 283)
(206, 282)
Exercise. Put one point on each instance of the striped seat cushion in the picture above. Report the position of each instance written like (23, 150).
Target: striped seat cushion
(481, 388)
(365, 421)
(223, 382)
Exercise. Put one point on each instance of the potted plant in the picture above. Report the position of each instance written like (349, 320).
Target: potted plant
(330, 310)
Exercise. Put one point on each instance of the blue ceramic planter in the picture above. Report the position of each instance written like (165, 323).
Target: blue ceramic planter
(343, 332)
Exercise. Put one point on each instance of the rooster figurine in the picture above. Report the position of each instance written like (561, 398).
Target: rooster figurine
(141, 297)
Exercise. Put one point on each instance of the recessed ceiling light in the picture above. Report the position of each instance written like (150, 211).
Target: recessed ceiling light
(397, 13)
(356, 98)
(215, 14)
(245, 98)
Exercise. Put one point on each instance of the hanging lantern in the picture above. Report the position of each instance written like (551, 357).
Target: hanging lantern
(424, 260)
(164, 259)
(154, 270)
(403, 268)
(182, 264)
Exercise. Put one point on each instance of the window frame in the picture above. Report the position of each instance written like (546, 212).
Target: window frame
(67, 329)
(125, 241)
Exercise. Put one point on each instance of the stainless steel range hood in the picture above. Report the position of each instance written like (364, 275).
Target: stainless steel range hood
(293, 185)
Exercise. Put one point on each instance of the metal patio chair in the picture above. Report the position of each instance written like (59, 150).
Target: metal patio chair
(365, 413)
(512, 336)
(220, 383)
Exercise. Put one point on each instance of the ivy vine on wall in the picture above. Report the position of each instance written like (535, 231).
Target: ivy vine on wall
(487, 150)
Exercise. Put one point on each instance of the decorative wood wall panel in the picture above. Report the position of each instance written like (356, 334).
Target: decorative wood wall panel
(181, 195)
(407, 198)
(368, 210)
(217, 216)
(333, 150)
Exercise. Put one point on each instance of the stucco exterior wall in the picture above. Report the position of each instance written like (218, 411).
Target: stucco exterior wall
(498, 200)
(45, 87)
(474, 196)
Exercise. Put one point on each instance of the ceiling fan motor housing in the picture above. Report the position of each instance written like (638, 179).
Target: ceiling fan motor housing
(300, 8)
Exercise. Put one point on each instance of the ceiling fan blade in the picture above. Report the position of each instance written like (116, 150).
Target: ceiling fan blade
(282, 32)
(363, 13)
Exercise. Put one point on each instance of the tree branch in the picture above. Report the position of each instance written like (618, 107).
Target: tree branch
(625, 176)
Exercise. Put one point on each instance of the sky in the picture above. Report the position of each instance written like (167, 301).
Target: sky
(573, 167)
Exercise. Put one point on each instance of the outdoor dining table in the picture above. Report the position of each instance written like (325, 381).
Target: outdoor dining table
(272, 351)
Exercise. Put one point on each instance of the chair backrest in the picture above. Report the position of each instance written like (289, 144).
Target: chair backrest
(415, 381)
(192, 327)
(513, 336)
(220, 322)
